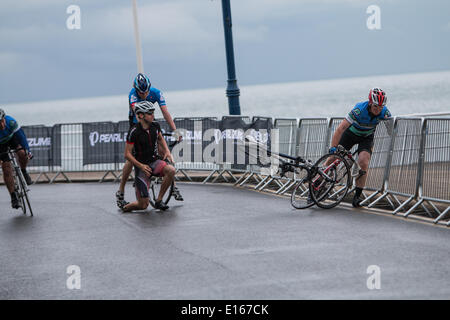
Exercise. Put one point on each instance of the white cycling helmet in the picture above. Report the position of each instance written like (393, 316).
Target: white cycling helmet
(144, 107)
(2, 114)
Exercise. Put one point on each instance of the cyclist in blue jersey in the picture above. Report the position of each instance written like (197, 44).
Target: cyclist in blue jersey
(143, 91)
(359, 128)
(12, 136)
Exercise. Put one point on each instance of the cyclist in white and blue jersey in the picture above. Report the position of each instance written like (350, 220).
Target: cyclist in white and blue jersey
(152, 95)
(143, 91)
(358, 127)
(13, 137)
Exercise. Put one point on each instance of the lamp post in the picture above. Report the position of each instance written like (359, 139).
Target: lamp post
(140, 64)
(232, 87)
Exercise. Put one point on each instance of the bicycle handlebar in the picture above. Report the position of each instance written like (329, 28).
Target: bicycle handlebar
(12, 150)
(174, 135)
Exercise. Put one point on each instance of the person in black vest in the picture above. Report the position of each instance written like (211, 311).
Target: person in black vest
(146, 139)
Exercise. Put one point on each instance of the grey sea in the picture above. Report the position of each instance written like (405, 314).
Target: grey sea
(407, 93)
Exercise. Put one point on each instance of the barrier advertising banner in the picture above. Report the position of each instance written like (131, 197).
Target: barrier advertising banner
(44, 144)
(101, 140)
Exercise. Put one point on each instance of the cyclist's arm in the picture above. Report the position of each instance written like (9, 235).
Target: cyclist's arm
(339, 131)
(162, 143)
(168, 117)
(389, 124)
(20, 135)
(388, 121)
(129, 155)
(132, 106)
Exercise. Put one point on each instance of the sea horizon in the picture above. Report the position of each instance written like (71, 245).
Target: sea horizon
(407, 93)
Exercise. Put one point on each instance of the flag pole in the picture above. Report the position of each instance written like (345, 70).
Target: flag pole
(140, 64)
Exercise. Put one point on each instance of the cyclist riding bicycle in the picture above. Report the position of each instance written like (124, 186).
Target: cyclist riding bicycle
(13, 137)
(359, 128)
(143, 91)
(141, 150)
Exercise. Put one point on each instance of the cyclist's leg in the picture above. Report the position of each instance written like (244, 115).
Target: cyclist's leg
(23, 161)
(175, 191)
(364, 154)
(126, 171)
(8, 177)
(169, 174)
(363, 161)
(7, 167)
(22, 158)
(162, 169)
(142, 183)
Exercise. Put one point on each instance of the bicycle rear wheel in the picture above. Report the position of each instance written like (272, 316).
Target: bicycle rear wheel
(155, 189)
(330, 182)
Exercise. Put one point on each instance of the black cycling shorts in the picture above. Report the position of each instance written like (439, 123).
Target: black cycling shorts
(142, 182)
(13, 144)
(349, 139)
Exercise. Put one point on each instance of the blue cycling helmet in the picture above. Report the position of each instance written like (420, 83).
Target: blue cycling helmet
(142, 83)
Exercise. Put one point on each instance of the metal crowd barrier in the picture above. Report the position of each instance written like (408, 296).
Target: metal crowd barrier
(312, 138)
(435, 181)
(287, 130)
(409, 167)
(409, 170)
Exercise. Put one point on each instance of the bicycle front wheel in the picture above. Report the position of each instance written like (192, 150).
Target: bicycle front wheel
(25, 195)
(330, 181)
(20, 190)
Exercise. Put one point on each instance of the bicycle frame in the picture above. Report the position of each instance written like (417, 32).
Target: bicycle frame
(20, 185)
(323, 173)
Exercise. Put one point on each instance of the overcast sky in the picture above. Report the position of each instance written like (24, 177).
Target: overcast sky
(183, 43)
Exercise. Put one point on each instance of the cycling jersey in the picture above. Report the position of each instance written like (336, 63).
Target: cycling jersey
(154, 95)
(13, 130)
(363, 123)
(145, 142)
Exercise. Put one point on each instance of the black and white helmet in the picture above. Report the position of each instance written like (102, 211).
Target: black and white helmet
(144, 107)
(2, 114)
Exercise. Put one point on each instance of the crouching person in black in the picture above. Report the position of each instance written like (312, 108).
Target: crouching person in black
(145, 138)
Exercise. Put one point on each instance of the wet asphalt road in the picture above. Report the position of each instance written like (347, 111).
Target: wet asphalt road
(220, 243)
